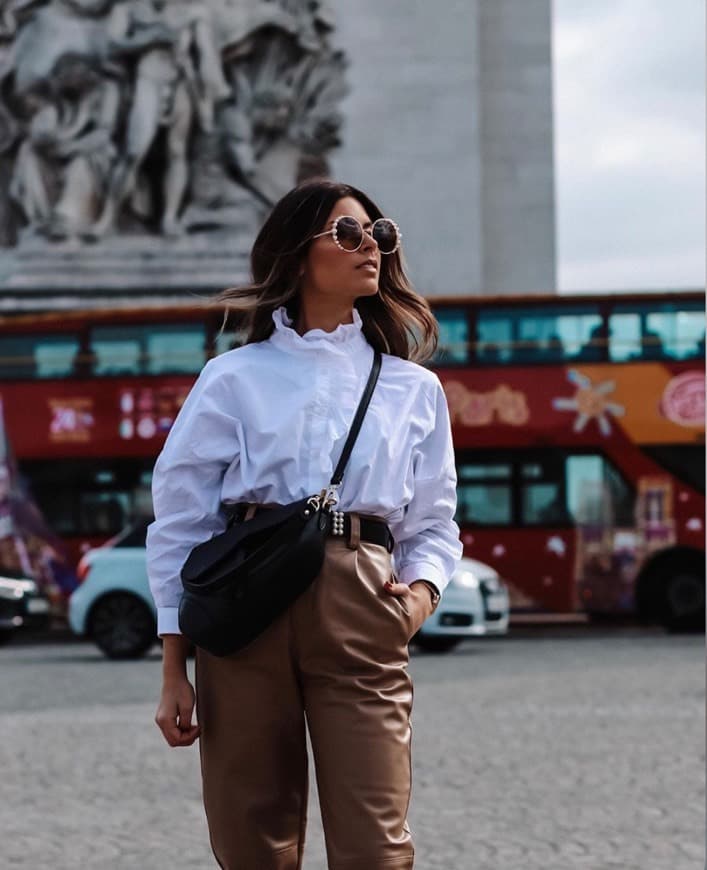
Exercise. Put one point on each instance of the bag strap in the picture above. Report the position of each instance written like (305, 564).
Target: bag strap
(358, 418)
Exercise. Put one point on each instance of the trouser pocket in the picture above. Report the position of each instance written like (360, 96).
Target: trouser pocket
(374, 569)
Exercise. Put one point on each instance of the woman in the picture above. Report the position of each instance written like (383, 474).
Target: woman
(265, 425)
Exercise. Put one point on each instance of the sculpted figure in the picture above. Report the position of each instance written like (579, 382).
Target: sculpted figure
(307, 20)
(282, 115)
(225, 169)
(169, 90)
(293, 109)
(234, 101)
(266, 100)
(64, 161)
(31, 178)
(64, 101)
(237, 24)
(9, 10)
(86, 146)
(52, 32)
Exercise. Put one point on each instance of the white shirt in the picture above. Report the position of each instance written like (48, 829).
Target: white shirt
(267, 422)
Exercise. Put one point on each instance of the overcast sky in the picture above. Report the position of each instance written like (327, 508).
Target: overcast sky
(629, 143)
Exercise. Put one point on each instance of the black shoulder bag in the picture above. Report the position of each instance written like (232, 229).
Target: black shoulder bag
(239, 581)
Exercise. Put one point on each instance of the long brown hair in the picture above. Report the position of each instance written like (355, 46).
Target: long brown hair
(396, 320)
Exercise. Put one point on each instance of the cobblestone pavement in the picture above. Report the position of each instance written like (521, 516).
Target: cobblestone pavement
(572, 748)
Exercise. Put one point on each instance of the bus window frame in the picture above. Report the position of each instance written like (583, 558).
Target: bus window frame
(643, 308)
(602, 310)
(79, 326)
(492, 481)
(516, 459)
(605, 308)
(142, 338)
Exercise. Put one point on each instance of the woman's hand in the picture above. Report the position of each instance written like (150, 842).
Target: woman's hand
(418, 597)
(175, 711)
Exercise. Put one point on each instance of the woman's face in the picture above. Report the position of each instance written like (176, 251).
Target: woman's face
(327, 270)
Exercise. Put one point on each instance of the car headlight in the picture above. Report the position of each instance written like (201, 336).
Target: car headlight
(12, 588)
(466, 579)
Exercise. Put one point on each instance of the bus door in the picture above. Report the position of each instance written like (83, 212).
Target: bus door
(608, 543)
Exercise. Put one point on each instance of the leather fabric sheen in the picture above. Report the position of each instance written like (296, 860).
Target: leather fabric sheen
(337, 663)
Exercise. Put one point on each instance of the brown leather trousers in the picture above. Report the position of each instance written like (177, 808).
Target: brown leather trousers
(336, 660)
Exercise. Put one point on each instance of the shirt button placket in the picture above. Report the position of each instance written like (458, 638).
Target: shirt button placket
(318, 427)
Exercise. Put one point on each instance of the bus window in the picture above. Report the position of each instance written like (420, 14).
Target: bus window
(495, 338)
(484, 494)
(543, 499)
(453, 344)
(624, 337)
(157, 349)
(175, 349)
(542, 488)
(547, 336)
(544, 504)
(681, 332)
(117, 350)
(664, 330)
(104, 513)
(538, 335)
(597, 495)
(37, 356)
(55, 356)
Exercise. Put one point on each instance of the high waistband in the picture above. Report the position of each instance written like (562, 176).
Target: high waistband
(350, 525)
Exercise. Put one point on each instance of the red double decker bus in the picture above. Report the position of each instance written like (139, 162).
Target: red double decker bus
(578, 424)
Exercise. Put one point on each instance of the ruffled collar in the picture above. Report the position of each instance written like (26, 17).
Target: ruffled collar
(344, 336)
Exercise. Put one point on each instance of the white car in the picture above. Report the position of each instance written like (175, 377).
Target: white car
(474, 604)
(114, 606)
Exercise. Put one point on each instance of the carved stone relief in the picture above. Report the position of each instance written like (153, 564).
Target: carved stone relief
(136, 119)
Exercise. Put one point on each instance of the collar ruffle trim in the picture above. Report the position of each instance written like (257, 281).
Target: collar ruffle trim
(343, 334)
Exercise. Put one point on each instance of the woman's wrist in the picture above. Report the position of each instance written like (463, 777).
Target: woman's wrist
(426, 589)
(175, 649)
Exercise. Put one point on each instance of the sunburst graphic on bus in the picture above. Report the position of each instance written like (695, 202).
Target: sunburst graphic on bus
(591, 402)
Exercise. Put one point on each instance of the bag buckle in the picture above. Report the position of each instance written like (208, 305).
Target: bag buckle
(329, 495)
(313, 502)
(326, 499)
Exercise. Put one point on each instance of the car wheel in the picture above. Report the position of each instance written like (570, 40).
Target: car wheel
(122, 626)
(436, 644)
(685, 601)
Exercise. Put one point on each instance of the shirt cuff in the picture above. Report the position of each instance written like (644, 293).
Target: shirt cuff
(167, 621)
(422, 571)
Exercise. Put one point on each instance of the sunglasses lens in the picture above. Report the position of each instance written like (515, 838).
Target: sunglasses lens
(386, 235)
(349, 233)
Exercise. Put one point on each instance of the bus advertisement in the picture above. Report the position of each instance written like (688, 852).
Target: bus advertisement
(578, 425)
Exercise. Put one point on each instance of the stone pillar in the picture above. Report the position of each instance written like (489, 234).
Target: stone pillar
(411, 130)
(517, 172)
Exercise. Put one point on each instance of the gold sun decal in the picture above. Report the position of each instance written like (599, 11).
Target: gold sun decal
(591, 402)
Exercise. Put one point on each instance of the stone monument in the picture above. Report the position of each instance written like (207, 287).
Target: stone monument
(143, 141)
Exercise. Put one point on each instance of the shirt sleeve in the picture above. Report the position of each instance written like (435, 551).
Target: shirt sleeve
(427, 545)
(186, 488)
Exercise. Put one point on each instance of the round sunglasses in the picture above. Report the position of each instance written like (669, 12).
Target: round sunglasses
(348, 233)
